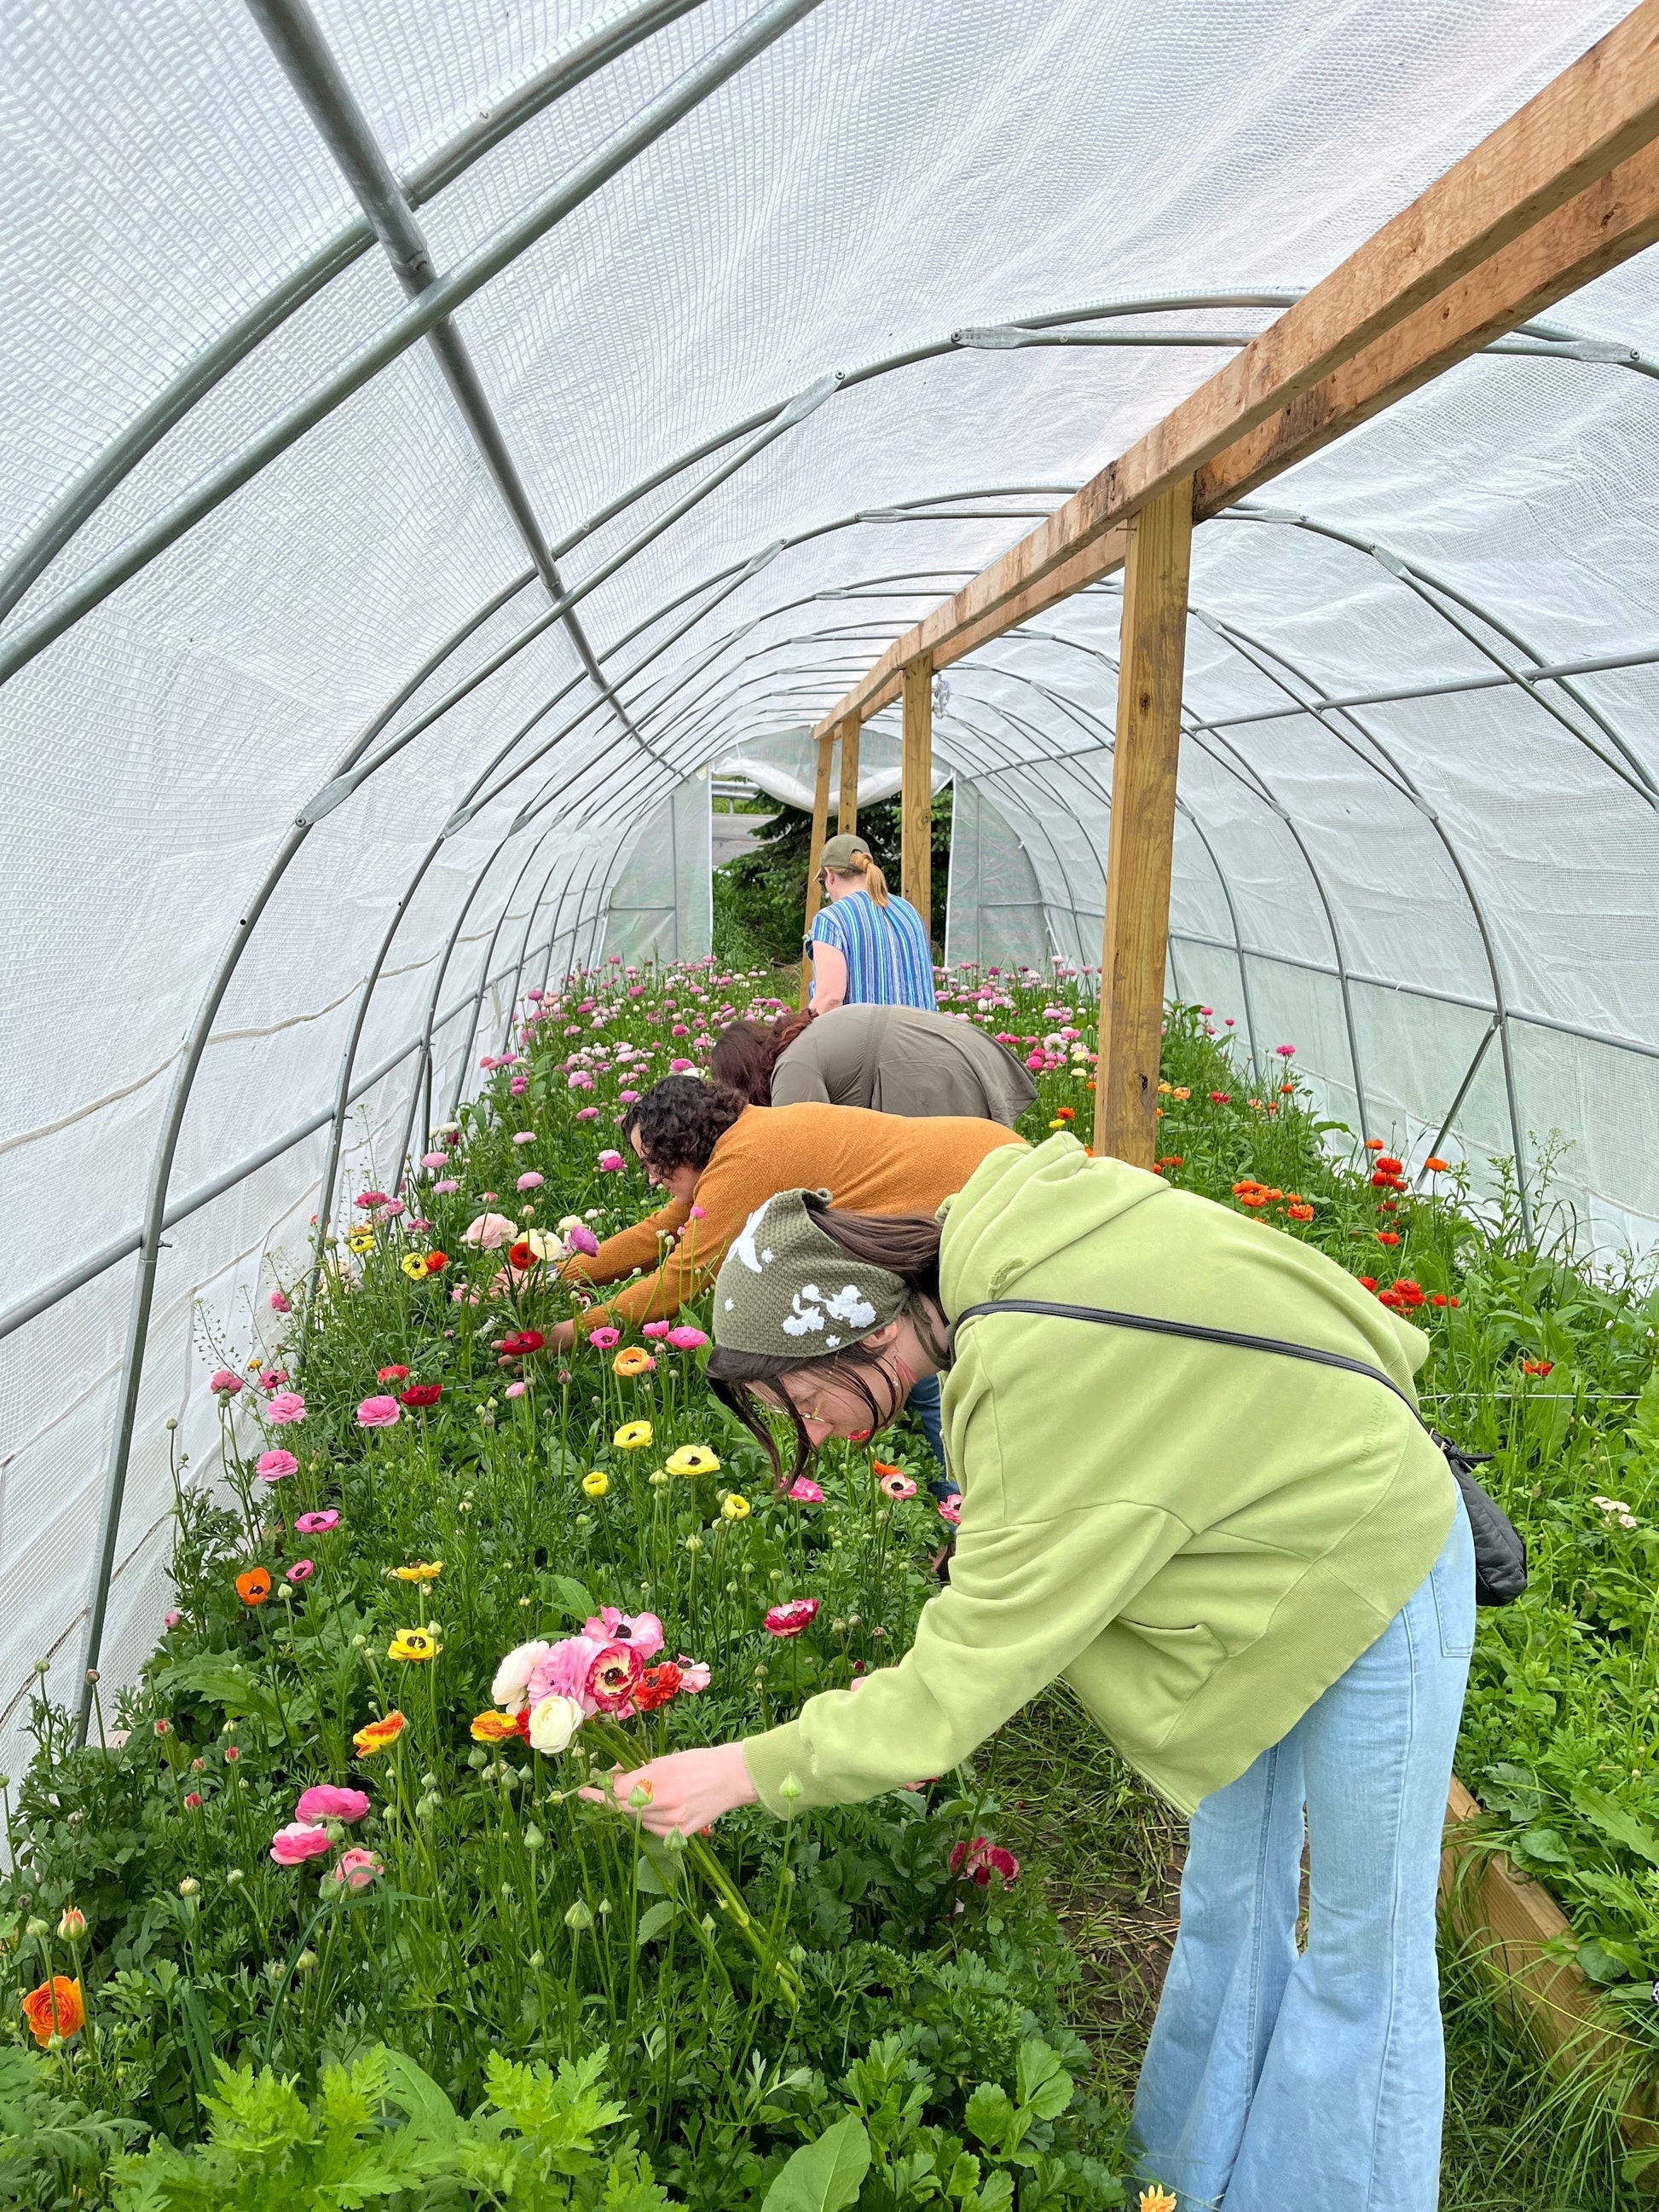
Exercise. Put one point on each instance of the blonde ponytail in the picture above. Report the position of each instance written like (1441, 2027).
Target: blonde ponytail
(868, 876)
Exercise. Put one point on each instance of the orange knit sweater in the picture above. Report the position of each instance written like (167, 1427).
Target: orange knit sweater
(868, 1162)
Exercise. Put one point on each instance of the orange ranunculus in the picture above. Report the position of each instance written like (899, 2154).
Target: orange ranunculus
(633, 1359)
(55, 2008)
(880, 1467)
(1300, 1212)
(253, 1587)
(1435, 1166)
(378, 1734)
(493, 1727)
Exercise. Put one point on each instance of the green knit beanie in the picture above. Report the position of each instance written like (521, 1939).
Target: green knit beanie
(787, 1292)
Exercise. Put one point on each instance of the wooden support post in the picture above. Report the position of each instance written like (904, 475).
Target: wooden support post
(846, 807)
(820, 823)
(916, 792)
(1138, 855)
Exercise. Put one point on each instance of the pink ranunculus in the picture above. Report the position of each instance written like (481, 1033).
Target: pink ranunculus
(581, 1238)
(694, 1673)
(531, 1181)
(898, 1486)
(300, 1571)
(370, 1199)
(517, 1389)
(299, 1841)
(680, 1066)
(279, 1303)
(687, 1339)
(609, 1162)
(579, 1079)
(285, 1406)
(626, 1098)
(379, 1413)
(318, 1524)
(950, 1509)
(394, 1207)
(518, 1085)
(587, 1114)
(791, 1617)
(192, 1801)
(434, 1159)
(224, 1383)
(696, 1214)
(274, 1465)
(490, 1231)
(524, 1137)
(612, 1678)
(272, 1378)
(356, 1869)
(324, 1801)
(561, 1671)
(445, 1189)
(805, 1492)
(604, 1339)
(981, 1859)
(656, 1329)
(642, 1630)
(172, 1617)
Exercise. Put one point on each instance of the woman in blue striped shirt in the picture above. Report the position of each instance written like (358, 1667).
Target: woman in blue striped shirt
(869, 948)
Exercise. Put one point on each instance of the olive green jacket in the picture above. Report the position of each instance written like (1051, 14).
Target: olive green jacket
(1198, 1539)
(903, 1059)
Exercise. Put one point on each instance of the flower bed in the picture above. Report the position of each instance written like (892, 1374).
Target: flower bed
(335, 1832)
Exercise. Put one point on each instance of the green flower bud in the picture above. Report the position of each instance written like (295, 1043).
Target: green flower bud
(579, 1916)
(533, 1839)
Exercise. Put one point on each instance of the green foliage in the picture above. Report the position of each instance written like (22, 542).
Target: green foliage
(760, 898)
(52, 2148)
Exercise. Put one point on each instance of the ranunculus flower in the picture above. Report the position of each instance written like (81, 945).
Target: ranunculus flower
(694, 1673)
(378, 1735)
(273, 1466)
(612, 1678)
(299, 1841)
(609, 1162)
(687, 1339)
(581, 1238)
(318, 1524)
(287, 1406)
(530, 1181)
(55, 2008)
(553, 1721)
(356, 1869)
(642, 1630)
(791, 1617)
(325, 1801)
(443, 1189)
(562, 1671)
(657, 1686)
(513, 1676)
(517, 1389)
(414, 1644)
(420, 1394)
(525, 1137)
(655, 1329)
(632, 1361)
(224, 1383)
(521, 1343)
(587, 1114)
(626, 1098)
(172, 1617)
(633, 1436)
(193, 1800)
(981, 1859)
(254, 1587)
(898, 1486)
(302, 1571)
(392, 1374)
(279, 1303)
(490, 1232)
(950, 1509)
(602, 1339)
(692, 1459)
(805, 1492)
(434, 1159)
(379, 1413)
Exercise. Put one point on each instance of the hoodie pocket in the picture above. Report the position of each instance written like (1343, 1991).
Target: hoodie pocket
(1176, 1663)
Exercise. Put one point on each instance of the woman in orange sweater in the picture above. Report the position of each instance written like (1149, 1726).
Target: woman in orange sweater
(719, 1158)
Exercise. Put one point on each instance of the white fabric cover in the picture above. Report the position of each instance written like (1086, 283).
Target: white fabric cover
(880, 178)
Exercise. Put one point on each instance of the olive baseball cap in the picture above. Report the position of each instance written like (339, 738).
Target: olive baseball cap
(839, 851)
(788, 1292)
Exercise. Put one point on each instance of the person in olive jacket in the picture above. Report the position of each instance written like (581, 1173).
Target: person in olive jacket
(893, 1060)
(1255, 1574)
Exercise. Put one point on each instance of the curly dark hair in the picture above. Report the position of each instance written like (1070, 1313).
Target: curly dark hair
(679, 1122)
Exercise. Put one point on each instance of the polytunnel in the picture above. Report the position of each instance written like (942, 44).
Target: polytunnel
(440, 436)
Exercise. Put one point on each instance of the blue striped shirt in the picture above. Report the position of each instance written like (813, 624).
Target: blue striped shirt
(890, 962)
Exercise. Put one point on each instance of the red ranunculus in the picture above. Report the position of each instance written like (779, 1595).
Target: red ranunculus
(657, 1685)
(521, 1342)
(421, 1393)
(392, 1374)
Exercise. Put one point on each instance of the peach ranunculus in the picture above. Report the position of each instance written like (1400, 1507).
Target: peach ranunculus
(356, 1869)
(490, 1232)
(56, 2008)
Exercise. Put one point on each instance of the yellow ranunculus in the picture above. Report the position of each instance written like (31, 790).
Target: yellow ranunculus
(361, 1239)
(413, 1643)
(493, 1727)
(413, 1264)
(735, 1508)
(378, 1734)
(692, 1459)
(596, 1484)
(633, 1436)
(422, 1570)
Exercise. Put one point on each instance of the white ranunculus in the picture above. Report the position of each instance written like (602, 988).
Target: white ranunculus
(513, 1676)
(553, 1722)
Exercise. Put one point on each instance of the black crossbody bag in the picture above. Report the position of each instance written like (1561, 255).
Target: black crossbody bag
(1500, 1550)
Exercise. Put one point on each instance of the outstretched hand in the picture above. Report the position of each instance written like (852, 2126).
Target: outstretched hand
(685, 1789)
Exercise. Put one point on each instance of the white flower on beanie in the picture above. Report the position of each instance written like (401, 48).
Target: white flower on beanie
(744, 1244)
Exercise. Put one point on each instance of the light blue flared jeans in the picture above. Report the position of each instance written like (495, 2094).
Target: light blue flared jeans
(1317, 2078)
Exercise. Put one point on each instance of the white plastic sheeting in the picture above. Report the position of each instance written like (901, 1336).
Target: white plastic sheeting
(1372, 885)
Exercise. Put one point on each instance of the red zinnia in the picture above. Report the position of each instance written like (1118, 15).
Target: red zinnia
(421, 1394)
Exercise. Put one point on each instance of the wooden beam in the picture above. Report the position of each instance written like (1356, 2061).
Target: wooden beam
(916, 793)
(1140, 849)
(814, 856)
(1568, 167)
(846, 807)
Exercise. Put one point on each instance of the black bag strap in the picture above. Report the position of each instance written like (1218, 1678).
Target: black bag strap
(1194, 1329)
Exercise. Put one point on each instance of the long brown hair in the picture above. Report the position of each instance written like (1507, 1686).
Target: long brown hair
(907, 1245)
(747, 1054)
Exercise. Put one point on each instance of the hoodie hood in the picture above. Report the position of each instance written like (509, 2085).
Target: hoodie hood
(1020, 1209)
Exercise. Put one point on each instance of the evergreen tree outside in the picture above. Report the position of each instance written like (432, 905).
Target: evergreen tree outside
(760, 898)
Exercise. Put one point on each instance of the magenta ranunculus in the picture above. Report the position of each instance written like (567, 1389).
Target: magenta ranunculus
(379, 1413)
(791, 1617)
(224, 1383)
(318, 1524)
(656, 1329)
(642, 1630)
(628, 1098)
(603, 1339)
(581, 1238)
(981, 1859)
(299, 1841)
(326, 1802)
(279, 1303)
(587, 1113)
(612, 1679)
(687, 1339)
(561, 1671)
(609, 1162)
(274, 1465)
(804, 1491)
(530, 1181)
(300, 1571)
(285, 1406)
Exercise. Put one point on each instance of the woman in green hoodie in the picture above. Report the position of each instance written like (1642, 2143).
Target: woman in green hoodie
(1253, 1571)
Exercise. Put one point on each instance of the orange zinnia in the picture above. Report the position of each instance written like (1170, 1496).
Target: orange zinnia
(633, 1359)
(378, 1735)
(494, 1728)
(253, 1587)
(55, 2008)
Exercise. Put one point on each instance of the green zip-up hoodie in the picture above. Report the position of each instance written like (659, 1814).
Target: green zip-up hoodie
(1198, 1539)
